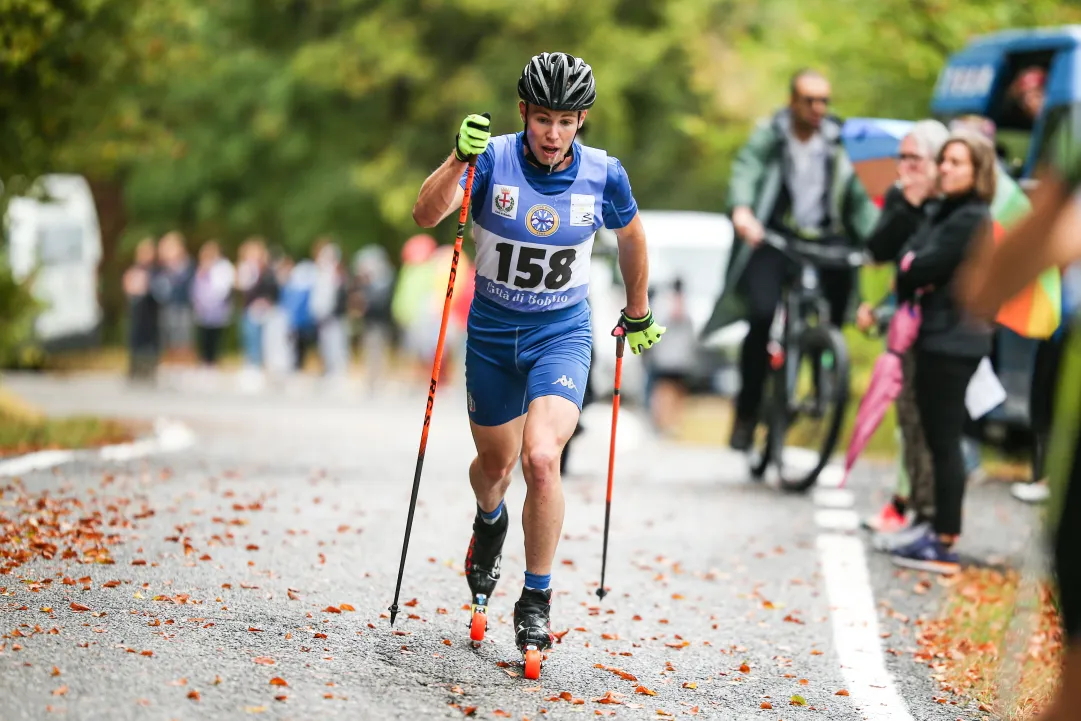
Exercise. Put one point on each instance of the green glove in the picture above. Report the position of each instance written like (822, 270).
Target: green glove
(473, 137)
(641, 333)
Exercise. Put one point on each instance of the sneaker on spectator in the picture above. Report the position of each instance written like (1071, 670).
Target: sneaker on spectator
(1035, 492)
(927, 553)
(887, 520)
(899, 539)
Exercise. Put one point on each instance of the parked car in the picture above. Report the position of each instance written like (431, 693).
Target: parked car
(690, 245)
(56, 241)
(976, 81)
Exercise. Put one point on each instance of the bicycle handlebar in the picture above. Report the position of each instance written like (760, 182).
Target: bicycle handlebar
(827, 256)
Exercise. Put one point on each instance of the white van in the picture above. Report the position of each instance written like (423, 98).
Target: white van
(691, 245)
(58, 241)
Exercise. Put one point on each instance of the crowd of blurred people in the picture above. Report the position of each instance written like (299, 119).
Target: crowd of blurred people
(185, 311)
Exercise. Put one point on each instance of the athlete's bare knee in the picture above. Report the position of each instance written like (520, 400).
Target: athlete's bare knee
(541, 464)
(494, 466)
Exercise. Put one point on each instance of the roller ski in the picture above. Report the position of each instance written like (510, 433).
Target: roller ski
(482, 570)
(532, 628)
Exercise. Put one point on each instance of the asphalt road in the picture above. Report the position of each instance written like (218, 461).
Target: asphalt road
(291, 506)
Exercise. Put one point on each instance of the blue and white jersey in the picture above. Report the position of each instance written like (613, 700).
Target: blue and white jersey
(533, 248)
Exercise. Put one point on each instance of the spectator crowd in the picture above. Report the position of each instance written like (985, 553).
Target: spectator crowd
(280, 311)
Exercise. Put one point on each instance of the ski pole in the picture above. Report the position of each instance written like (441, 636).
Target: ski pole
(620, 340)
(462, 215)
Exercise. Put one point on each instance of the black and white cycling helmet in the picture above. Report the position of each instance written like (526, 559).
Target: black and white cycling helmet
(558, 81)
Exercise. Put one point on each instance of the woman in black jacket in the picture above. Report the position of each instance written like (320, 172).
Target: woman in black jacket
(950, 343)
(903, 210)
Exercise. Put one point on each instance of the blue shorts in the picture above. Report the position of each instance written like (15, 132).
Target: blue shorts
(513, 358)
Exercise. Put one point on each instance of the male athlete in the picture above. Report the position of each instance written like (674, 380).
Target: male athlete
(538, 199)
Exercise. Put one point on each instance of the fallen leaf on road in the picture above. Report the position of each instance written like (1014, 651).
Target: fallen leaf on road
(292, 595)
(346, 607)
(816, 652)
(645, 691)
(60, 691)
(446, 642)
(690, 684)
(559, 635)
(744, 668)
(413, 603)
(254, 709)
(78, 607)
(765, 705)
(678, 644)
(252, 547)
(610, 636)
(617, 671)
(179, 682)
(193, 695)
(441, 611)
(332, 609)
(469, 710)
(146, 653)
(803, 682)
(501, 713)
(319, 635)
(56, 671)
(281, 698)
(217, 680)
(278, 681)
(798, 700)
(843, 692)
(138, 562)
(264, 660)
(608, 698)
(253, 629)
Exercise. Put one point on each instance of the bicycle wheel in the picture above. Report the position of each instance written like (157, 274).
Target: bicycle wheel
(816, 409)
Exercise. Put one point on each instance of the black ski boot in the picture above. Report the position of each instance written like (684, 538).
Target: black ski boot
(482, 568)
(533, 628)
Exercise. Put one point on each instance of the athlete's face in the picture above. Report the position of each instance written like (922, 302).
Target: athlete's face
(551, 132)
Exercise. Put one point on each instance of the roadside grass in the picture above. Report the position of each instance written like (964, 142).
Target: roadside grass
(996, 641)
(23, 429)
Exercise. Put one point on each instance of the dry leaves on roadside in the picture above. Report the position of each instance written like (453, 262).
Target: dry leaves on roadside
(278, 681)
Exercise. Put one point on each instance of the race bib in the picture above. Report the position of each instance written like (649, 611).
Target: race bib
(532, 276)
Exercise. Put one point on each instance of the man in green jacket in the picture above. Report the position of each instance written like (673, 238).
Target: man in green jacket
(793, 177)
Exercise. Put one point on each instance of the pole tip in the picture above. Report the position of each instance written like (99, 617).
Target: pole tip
(601, 593)
(393, 613)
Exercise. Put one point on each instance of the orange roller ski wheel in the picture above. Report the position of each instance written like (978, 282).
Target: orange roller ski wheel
(532, 664)
(477, 627)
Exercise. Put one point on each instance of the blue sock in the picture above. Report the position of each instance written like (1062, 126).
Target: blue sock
(492, 517)
(537, 582)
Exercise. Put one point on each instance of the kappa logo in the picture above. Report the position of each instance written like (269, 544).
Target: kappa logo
(505, 201)
(469, 402)
(565, 382)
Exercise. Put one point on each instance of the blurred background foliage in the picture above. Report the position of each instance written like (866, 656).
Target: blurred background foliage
(297, 118)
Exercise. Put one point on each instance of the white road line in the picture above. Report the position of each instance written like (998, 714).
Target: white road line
(34, 462)
(852, 603)
(834, 498)
(837, 519)
(855, 629)
(169, 436)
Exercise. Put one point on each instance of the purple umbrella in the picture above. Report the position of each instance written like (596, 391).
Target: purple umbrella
(886, 379)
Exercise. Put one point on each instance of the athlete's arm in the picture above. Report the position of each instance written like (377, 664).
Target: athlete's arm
(440, 194)
(634, 265)
(443, 190)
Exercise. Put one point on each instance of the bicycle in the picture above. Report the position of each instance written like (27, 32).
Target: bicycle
(793, 340)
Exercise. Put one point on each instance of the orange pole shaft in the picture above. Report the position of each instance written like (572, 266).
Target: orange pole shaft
(438, 362)
(436, 365)
(615, 418)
